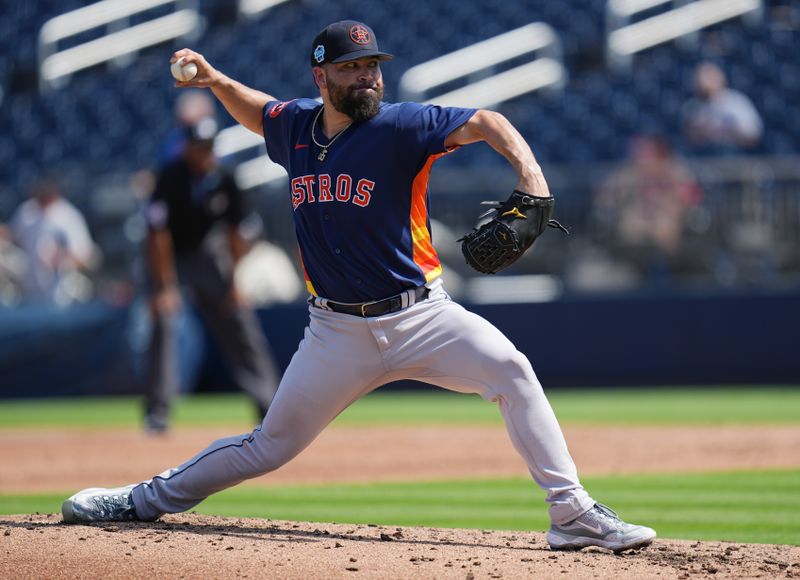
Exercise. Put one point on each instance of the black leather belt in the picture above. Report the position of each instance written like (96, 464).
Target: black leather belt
(376, 308)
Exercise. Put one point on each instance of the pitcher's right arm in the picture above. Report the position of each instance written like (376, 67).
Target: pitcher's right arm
(244, 104)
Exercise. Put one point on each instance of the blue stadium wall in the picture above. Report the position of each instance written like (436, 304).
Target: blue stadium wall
(597, 342)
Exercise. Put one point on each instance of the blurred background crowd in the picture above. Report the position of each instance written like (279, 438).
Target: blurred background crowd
(666, 128)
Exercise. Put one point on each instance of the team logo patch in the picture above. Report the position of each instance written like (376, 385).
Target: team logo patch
(276, 110)
(360, 35)
(319, 53)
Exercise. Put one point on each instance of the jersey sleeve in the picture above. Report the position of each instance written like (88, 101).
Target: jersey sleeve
(425, 127)
(277, 124)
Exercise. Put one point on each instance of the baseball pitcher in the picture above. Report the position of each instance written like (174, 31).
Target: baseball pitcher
(359, 170)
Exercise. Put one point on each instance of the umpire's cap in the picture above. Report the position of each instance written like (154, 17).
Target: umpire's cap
(202, 133)
(345, 40)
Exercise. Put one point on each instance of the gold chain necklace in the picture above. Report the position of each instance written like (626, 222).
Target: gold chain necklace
(324, 153)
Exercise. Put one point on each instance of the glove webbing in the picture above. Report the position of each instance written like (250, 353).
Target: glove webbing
(524, 199)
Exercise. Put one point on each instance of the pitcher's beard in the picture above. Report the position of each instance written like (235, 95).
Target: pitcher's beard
(358, 107)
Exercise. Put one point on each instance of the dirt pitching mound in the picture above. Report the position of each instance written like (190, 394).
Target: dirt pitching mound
(193, 546)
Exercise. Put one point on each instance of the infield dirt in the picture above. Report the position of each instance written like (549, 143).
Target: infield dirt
(58, 460)
(194, 546)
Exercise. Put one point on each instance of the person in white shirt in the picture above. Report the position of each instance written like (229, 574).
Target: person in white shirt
(720, 119)
(55, 238)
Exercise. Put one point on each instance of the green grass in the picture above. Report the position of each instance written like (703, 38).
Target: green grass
(623, 406)
(760, 507)
(101, 412)
(746, 507)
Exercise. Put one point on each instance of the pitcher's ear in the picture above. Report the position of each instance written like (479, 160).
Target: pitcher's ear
(319, 77)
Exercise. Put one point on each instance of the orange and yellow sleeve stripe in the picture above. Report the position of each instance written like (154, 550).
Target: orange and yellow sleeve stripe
(309, 285)
(425, 257)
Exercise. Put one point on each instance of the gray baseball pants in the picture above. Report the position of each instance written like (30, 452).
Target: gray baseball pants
(344, 357)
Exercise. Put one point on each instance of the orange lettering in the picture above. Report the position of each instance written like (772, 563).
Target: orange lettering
(308, 182)
(298, 193)
(343, 184)
(363, 192)
(325, 188)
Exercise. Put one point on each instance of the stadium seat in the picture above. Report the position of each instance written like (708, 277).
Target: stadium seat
(115, 117)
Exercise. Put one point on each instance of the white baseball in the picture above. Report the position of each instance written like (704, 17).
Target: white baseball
(181, 72)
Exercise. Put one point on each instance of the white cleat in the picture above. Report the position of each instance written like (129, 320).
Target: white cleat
(600, 526)
(98, 504)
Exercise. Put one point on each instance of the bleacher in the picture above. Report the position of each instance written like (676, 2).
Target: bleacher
(112, 118)
(109, 119)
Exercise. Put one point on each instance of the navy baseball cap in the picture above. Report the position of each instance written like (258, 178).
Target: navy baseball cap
(345, 40)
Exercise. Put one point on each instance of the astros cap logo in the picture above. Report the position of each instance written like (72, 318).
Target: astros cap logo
(359, 34)
(343, 41)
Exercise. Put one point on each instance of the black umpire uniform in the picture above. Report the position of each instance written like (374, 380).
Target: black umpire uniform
(193, 247)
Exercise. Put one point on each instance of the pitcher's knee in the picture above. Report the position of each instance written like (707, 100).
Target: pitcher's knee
(517, 380)
(518, 368)
(268, 454)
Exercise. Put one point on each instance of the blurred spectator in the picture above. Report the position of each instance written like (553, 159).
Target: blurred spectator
(195, 241)
(644, 204)
(191, 107)
(57, 245)
(12, 269)
(719, 119)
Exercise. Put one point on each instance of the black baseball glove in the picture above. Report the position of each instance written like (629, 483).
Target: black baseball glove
(515, 225)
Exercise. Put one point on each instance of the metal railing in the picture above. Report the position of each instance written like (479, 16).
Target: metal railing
(118, 39)
(624, 39)
(253, 172)
(417, 82)
(254, 8)
(545, 70)
(259, 171)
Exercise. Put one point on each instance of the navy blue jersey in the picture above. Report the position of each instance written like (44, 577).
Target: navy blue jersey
(361, 215)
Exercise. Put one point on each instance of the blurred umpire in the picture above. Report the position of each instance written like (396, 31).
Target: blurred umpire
(194, 245)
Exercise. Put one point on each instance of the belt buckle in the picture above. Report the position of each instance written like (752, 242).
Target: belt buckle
(364, 307)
